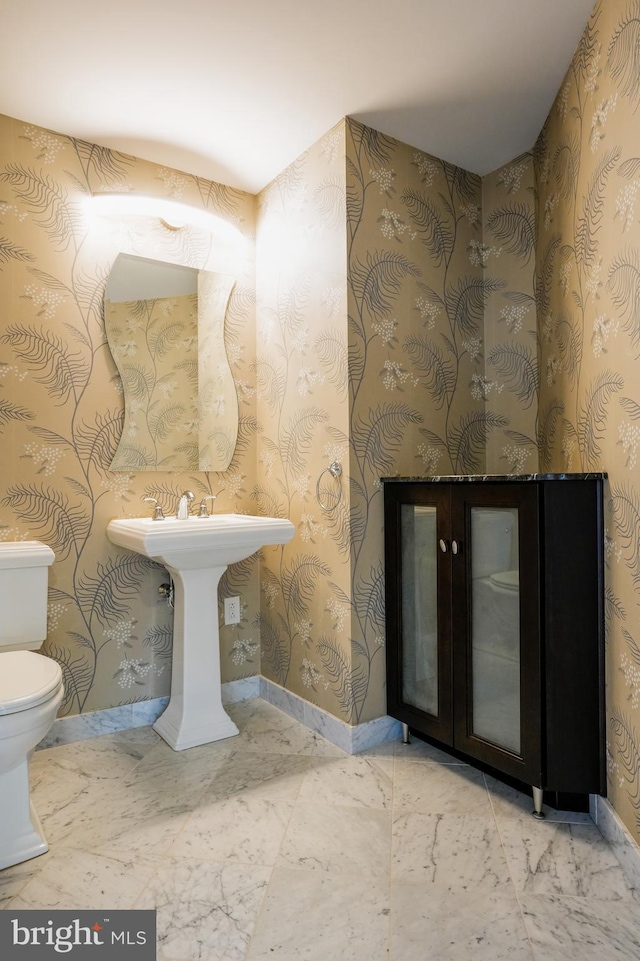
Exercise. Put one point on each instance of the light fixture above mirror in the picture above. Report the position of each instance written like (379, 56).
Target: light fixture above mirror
(174, 214)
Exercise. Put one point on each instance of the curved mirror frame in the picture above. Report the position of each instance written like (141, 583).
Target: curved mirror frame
(165, 329)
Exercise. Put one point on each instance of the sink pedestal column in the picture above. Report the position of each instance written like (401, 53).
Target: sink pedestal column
(195, 714)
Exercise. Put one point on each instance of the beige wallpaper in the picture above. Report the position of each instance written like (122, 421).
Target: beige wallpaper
(374, 279)
(304, 425)
(61, 411)
(588, 262)
(510, 327)
(416, 370)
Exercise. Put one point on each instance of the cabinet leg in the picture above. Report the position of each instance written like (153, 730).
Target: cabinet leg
(537, 804)
(405, 734)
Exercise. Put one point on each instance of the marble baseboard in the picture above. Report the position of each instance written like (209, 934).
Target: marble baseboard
(614, 831)
(80, 727)
(243, 690)
(353, 740)
(66, 730)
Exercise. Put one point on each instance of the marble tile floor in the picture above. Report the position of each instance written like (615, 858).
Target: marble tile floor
(277, 845)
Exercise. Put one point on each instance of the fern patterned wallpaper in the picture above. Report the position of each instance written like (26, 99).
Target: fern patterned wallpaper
(415, 316)
(61, 409)
(303, 414)
(587, 162)
(511, 336)
(376, 290)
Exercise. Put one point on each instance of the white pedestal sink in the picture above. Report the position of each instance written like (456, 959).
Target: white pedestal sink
(196, 552)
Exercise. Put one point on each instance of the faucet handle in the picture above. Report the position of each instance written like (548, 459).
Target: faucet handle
(157, 511)
(203, 505)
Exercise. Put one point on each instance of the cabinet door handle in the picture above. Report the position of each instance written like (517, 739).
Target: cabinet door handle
(444, 547)
(456, 548)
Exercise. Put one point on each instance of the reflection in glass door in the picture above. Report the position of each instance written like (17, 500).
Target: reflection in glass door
(419, 607)
(495, 625)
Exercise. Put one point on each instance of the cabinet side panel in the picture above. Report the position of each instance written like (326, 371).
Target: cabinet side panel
(573, 635)
(393, 589)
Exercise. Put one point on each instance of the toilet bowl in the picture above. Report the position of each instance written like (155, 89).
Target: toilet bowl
(31, 692)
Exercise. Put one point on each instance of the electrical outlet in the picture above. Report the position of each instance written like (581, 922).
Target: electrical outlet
(232, 610)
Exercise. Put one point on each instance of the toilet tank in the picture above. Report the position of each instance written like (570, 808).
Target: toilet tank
(24, 572)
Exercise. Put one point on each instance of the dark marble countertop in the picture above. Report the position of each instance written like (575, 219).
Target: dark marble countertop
(494, 478)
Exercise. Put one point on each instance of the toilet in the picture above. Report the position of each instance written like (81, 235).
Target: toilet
(31, 692)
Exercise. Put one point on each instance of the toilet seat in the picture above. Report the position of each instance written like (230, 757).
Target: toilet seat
(507, 580)
(26, 680)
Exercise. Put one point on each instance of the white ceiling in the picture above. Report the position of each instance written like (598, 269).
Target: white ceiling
(234, 90)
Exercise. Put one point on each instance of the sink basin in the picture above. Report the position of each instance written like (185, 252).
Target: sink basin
(199, 541)
(196, 552)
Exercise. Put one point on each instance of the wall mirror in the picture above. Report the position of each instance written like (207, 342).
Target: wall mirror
(165, 328)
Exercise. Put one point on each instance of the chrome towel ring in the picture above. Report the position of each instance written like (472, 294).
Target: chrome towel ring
(327, 499)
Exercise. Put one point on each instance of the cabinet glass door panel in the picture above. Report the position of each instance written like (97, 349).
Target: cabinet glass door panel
(419, 607)
(495, 627)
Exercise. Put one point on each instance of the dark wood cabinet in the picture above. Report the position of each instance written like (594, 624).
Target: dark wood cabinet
(495, 634)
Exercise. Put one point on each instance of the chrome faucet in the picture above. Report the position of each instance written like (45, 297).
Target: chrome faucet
(182, 512)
